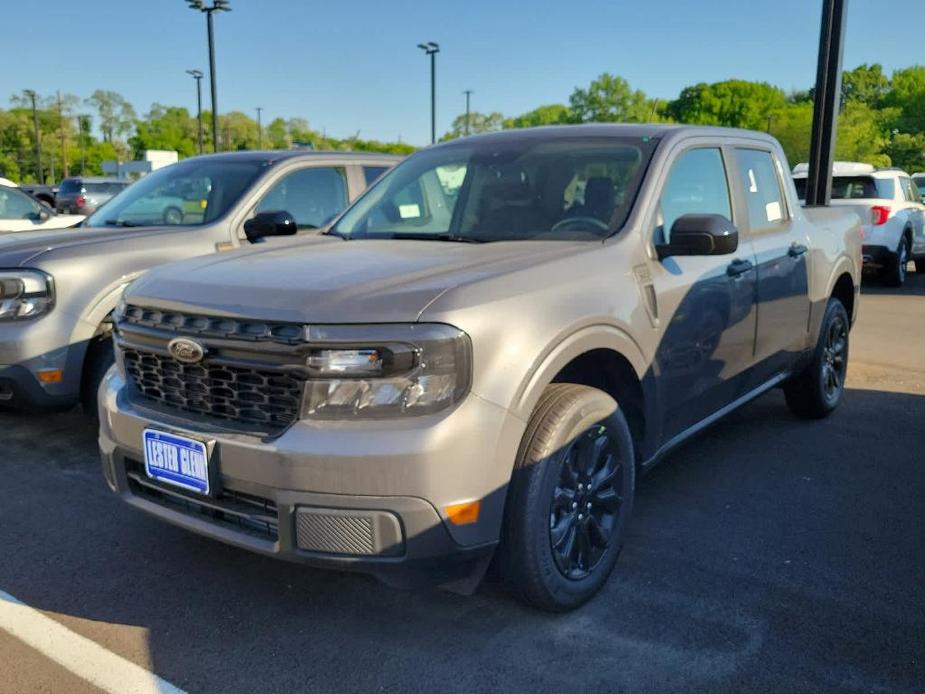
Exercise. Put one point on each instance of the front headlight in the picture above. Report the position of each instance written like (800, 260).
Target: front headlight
(385, 370)
(25, 294)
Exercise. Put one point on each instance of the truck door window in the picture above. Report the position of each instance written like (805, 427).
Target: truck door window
(761, 187)
(696, 185)
(312, 196)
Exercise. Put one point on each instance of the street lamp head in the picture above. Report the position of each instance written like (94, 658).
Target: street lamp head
(216, 6)
(429, 48)
(195, 74)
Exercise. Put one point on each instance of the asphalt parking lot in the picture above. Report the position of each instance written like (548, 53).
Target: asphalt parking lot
(769, 554)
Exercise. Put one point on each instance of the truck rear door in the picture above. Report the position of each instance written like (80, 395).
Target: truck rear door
(781, 253)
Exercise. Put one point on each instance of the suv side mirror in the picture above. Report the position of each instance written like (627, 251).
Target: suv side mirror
(277, 223)
(700, 234)
(43, 214)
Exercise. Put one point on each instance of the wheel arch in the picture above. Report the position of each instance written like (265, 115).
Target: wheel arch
(603, 357)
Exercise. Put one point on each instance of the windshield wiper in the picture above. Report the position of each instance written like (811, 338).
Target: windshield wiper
(455, 238)
(120, 223)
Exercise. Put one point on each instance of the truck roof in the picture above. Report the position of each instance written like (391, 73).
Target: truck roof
(630, 130)
(287, 154)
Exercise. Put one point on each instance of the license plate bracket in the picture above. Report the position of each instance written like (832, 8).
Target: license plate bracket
(178, 461)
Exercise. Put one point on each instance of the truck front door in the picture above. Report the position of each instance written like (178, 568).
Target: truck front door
(705, 303)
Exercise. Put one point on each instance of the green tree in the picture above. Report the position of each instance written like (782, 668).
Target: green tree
(610, 99)
(166, 127)
(732, 103)
(866, 84)
(550, 114)
(117, 116)
(907, 151)
(478, 123)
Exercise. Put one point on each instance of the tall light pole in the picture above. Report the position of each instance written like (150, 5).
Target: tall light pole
(468, 93)
(431, 49)
(216, 6)
(259, 129)
(197, 75)
(38, 138)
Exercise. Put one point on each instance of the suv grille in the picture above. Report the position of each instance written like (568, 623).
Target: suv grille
(246, 395)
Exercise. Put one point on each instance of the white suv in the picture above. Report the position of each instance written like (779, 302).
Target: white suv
(890, 207)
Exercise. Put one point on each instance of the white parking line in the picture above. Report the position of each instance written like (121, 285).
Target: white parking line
(78, 654)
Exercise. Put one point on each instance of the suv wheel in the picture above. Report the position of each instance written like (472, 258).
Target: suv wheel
(569, 500)
(816, 391)
(896, 275)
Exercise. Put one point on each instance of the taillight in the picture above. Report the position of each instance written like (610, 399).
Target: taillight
(80, 201)
(880, 213)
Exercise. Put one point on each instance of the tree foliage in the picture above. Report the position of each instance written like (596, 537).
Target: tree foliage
(610, 99)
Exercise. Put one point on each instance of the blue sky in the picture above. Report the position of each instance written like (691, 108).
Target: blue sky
(353, 66)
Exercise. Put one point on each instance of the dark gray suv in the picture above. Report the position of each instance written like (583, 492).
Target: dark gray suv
(86, 195)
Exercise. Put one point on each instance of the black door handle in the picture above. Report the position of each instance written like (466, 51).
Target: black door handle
(738, 267)
(796, 250)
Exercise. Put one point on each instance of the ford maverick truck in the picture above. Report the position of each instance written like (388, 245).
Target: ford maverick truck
(480, 356)
(58, 289)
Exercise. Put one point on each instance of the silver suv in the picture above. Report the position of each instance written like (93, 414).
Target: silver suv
(481, 354)
(58, 289)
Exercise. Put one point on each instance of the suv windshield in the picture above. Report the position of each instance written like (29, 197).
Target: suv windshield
(69, 185)
(189, 193)
(505, 190)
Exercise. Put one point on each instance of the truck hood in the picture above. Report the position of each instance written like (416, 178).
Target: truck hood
(17, 248)
(326, 280)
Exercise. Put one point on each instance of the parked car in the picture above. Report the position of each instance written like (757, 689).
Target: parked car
(21, 212)
(891, 210)
(919, 180)
(481, 354)
(43, 193)
(58, 289)
(87, 194)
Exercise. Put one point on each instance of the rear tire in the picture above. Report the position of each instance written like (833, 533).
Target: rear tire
(173, 216)
(100, 357)
(895, 275)
(816, 391)
(576, 452)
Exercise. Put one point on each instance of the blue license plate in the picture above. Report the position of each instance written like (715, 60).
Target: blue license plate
(176, 460)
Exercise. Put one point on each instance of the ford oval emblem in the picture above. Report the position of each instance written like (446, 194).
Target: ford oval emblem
(185, 350)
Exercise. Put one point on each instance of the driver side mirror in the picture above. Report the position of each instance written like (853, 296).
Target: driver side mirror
(700, 234)
(42, 215)
(262, 224)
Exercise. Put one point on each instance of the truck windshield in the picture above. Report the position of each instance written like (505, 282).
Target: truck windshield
(190, 193)
(505, 190)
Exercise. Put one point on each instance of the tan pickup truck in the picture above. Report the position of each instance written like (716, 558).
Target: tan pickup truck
(480, 356)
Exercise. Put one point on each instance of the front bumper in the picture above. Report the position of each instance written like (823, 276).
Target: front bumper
(29, 347)
(362, 496)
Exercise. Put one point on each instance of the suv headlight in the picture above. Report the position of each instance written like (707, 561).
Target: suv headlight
(25, 294)
(385, 370)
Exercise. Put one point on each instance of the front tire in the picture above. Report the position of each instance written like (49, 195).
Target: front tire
(100, 357)
(570, 498)
(816, 391)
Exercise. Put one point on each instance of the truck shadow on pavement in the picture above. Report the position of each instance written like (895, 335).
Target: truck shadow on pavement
(767, 553)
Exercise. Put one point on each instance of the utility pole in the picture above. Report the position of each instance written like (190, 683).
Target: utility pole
(259, 129)
(430, 48)
(826, 103)
(39, 172)
(197, 75)
(216, 6)
(67, 171)
(468, 93)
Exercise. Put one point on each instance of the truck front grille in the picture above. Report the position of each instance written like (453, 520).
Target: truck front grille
(250, 396)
